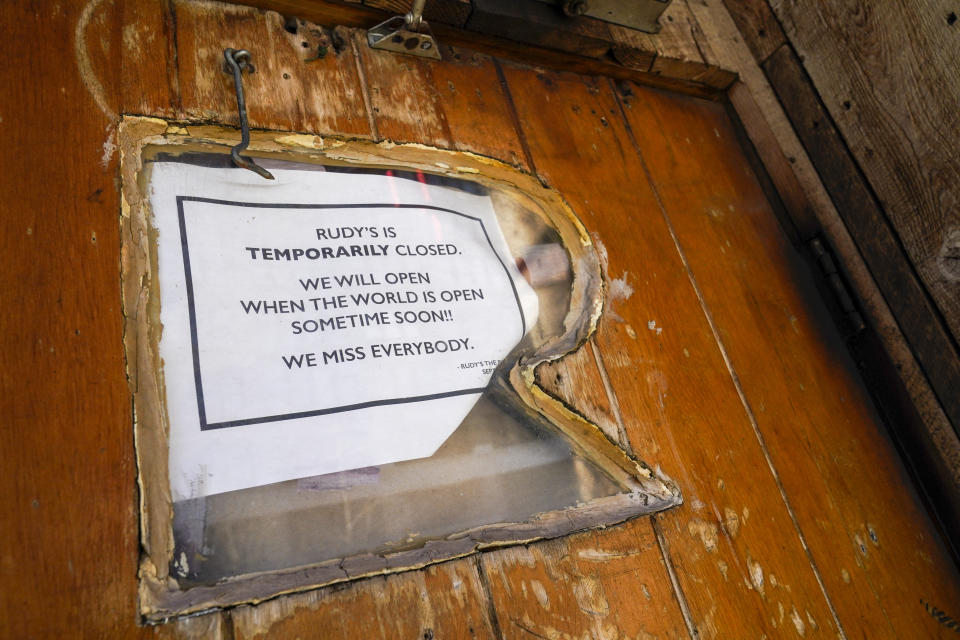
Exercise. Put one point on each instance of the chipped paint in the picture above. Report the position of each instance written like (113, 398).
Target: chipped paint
(301, 140)
(708, 533)
(756, 574)
(598, 555)
(798, 622)
(619, 288)
(722, 566)
(731, 522)
(541, 594)
(590, 597)
(109, 146)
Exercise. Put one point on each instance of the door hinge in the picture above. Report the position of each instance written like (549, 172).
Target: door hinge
(827, 264)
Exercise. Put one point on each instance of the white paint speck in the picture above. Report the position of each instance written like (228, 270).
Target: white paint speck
(798, 622)
(756, 575)
(181, 565)
(620, 289)
(109, 146)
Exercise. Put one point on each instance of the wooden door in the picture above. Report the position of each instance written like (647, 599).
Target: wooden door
(715, 359)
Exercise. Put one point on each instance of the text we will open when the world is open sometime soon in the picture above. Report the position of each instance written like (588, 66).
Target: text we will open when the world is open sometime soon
(347, 306)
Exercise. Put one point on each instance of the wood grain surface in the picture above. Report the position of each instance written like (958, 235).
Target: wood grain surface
(904, 288)
(759, 26)
(887, 74)
(713, 356)
(68, 502)
(910, 404)
(660, 355)
(674, 52)
(727, 232)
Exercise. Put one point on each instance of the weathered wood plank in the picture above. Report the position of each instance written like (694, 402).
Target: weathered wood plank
(442, 601)
(880, 247)
(148, 53)
(351, 15)
(887, 74)
(675, 393)
(875, 546)
(935, 446)
(760, 28)
(475, 91)
(456, 103)
(68, 503)
(674, 52)
(303, 81)
(600, 586)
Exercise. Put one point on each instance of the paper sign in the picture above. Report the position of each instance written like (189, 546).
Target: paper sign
(325, 321)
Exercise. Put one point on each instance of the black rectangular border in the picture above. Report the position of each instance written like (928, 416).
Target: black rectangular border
(184, 246)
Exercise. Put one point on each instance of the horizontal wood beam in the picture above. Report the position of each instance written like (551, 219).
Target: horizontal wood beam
(328, 13)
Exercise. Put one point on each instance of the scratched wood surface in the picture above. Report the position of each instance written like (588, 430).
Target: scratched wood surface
(874, 567)
(661, 357)
(712, 360)
(888, 75)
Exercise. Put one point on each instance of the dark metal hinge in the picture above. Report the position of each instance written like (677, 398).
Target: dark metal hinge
(827, 264)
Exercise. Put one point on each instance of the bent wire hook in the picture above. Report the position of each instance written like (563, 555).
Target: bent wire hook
(237, 61)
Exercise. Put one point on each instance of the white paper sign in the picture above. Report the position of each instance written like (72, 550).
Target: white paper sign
(323, 321)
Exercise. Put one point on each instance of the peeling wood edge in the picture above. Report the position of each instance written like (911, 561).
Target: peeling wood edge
(160, 596)
(256, 588)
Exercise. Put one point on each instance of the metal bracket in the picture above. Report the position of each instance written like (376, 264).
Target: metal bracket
(408, 34)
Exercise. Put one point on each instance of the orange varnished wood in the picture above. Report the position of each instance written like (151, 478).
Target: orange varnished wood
(599, 584)
(55, 328)
(69, 555)
(674, 391)
(589, 585)
(457, 103)
(599, 593)
(68, 536)
(444, 601)
(877, 551)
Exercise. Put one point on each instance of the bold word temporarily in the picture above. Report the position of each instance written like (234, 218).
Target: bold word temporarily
(295, 254)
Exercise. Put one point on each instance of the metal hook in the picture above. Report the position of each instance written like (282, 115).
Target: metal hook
(237, 61)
